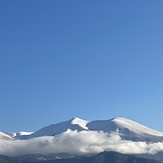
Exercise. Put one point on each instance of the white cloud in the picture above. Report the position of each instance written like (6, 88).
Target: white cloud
(74, 142)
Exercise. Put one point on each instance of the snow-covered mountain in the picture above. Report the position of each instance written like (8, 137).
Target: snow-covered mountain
(77, 136)
(56, 129)
(5, 136)
(122, 124)
(127, 129)
(18, 135)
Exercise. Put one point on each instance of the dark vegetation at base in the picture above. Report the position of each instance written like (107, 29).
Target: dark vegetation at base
(104, 157)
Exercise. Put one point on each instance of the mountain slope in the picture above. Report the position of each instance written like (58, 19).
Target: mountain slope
(126, 128)
(122, 123)
(104, 157)
(56, 129)
(18, 135)
(5, 136)
(77, 136)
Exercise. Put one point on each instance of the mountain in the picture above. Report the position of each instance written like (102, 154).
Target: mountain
(56, 129)
(81, 137)
(5, 136)
(103, 157)
(128, 129)
(122, 124)
(18, 135)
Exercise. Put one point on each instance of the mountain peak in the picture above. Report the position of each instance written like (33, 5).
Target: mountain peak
(127, 128)
(79, 122)
(134, 126)
(5, 136)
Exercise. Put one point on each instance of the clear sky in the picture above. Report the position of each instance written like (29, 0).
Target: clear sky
(80, 58)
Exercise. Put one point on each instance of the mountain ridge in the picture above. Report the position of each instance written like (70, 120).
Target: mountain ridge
(125, 127)
(102, 157)
(5, 136)
(78, 136)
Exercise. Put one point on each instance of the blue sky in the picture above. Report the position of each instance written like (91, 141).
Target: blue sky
(88, 59)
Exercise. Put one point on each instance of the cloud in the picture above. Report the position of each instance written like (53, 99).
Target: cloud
(74, 142)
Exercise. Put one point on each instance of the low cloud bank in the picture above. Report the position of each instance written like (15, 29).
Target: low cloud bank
(74, 142)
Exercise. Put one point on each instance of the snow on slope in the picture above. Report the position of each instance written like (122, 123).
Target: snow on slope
(19, 134)
(136, 127)
(5, 136)
(56, 129)
(122, 125)
(126, 128)
(77, 136)
(80, 122)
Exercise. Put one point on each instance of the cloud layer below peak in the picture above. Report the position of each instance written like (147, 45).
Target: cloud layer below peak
(74, 142)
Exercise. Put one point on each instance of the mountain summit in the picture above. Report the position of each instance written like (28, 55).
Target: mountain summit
(126, 128)
(56, 129)
(5, 136)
